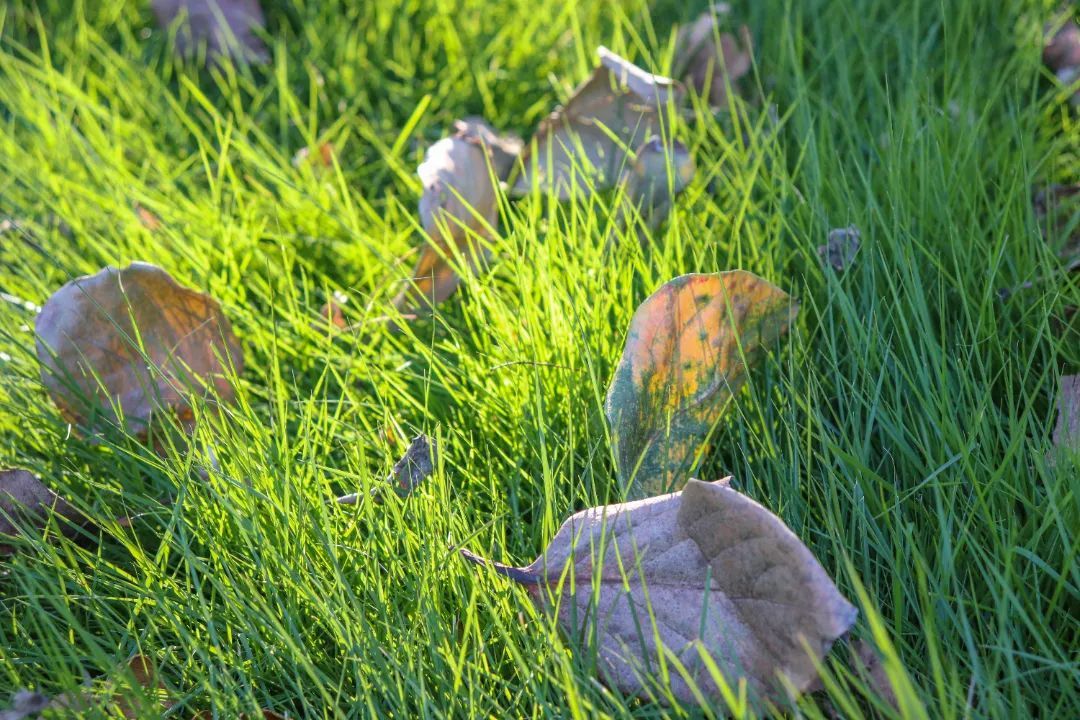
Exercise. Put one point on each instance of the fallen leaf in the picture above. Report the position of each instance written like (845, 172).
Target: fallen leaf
(226, 27)
(118, 346)
(460, 175)
(703, 571)
(708, 67)
(333, 312)
(23, 494)
(323, 157)
(149, 220)
(1067, 430)
(688, 350)
(868, 664)
(415, 466)
(1061, 51)
(659, 175)
(839, 250)
(586, 143)
(25, 704)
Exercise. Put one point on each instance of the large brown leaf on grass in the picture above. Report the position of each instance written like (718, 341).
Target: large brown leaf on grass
(586, 143)
(688, 350)
(23, 495)
(702, 572)
(709, 60)
(459, 208)
(225, 27)
(121, 345)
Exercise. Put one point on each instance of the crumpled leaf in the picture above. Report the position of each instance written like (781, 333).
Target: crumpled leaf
(661, 171)
(96, 335)
(688, 350)
(586, 143)
(415, 466)
(1067, 430)
(226, 27)
(840, 249)
(703, 570)
(1061, 51)
(22, 494)
(458, 207)
(709, 67)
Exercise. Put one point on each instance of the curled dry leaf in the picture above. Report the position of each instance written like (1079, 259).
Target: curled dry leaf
(709, 60)
(225, 27)
(586, 143)
(688, 350)
(415, 466)
(459, 207)
(839, 250)
(658, 176)
(120, 345)
(23, 494)
(1061, 50)
(703, 571)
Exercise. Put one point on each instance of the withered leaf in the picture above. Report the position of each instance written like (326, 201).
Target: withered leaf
(1067, 430)
(322, 157)
(120, 345)
(149, 220)
(22, 494)
(709, 60)
(839, 250)
(332, 313)
(868, 664)
(688, 350)
(225, 27)
(415, 466)
(586, 143)
(1061, 51)
(661, 171)
(459, 208)
(25, 704)
(702, 571)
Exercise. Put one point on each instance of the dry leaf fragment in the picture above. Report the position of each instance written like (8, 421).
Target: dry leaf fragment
(1061, 51)
(707, 67)
(460, 175)
(25, 704)
(149, 220)
(703, 570)
(22, 493)
(333, 312)
(688, 350)
(120, 345)
(226, 27)
(1067, 430)
(585, 145)
(322, 157)
(868, 664)
(839, 250)
(660, 173)
(415, 466)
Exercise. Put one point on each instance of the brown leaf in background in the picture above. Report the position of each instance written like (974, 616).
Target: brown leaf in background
(1067, 430)
(586, 143)
(688, 350)
(707, 66)
(415, 466)
(149, 220)
(460, 175)
(322, 157)
(121, 345)
(333, 312)
(658, 176)
(704, 570)
(1061, 50)
(868, 664)
(25, 704)
(226, 27)
(23, 495)
(839, 250)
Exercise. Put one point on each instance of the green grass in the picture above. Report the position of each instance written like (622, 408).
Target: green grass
(901, 431)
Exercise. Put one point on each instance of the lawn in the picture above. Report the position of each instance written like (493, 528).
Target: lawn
(902, 429)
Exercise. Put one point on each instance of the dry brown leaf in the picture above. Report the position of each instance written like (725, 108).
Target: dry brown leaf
(839, 250)
(459, 206)
(25, 704)
(415, 466)
(333, 312)
(322, 157)
(1061, 50)
(149, 220)
(23, 494)
(688, 350)
(226, 27)
(868, 664)
(707, 67)
(97, 334)
(586, 143)
(658, 176)
(1067, 430)
(704, 570)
